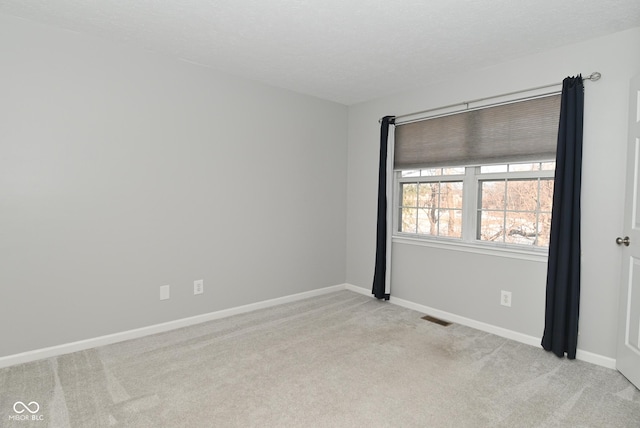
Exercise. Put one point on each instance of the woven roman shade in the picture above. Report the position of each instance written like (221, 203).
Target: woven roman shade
(516, 132)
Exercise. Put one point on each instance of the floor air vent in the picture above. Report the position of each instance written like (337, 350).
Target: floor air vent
(436, 320)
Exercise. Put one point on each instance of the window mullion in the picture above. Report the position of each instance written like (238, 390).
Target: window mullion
(418, 184)
(537, 230)
(469, 204)
(504, 213)
(397, 203)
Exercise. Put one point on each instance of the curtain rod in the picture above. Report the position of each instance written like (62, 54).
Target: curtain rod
(593, 77)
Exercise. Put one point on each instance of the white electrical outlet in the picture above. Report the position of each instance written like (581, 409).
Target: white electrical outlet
(505, 298)
(164, 292)
(198, 286)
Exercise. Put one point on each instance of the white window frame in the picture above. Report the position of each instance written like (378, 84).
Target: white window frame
(470, 222)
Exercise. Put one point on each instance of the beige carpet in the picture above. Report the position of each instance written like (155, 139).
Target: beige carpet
(339, 360)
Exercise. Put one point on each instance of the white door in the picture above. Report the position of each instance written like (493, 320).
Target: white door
(628, 355)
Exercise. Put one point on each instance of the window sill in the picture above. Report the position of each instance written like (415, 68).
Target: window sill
(535, 255)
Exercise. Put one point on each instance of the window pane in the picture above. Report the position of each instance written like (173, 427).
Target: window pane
(491, 226)
(492, 196)
(451, 195)
(430, 172)
(521, 228)
(493, 168)
(522, 195)
(408, 223)
(428, 195)
(409, 194)
(548, 166)
(410, 173)
(546, 194)
(450, 223)
(428, 221)
(515, 167)
(544, 229)
(453, 171)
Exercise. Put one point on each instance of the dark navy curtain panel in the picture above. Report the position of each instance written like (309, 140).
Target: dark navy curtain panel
(563, 269)
(380, 273)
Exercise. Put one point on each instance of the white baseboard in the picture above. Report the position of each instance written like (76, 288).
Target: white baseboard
(82, 345)
(597, 359)
(357, 289)
(489, 328)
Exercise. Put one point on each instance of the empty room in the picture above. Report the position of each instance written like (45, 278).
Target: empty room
(220, 213)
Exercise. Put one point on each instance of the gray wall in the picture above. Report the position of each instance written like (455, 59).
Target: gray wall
(469, 284)
(121, 171)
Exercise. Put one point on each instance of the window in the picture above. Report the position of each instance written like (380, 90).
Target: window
(514, 206)
(432, 204)
(507, 204)
(482, 176)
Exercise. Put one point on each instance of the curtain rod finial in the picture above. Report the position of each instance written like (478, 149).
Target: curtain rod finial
(594, 76)
(392, 119)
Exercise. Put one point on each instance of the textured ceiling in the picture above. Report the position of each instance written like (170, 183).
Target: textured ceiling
(341, 50)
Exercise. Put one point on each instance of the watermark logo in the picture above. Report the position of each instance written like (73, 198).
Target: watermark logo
(20, 405)
(26, 412)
